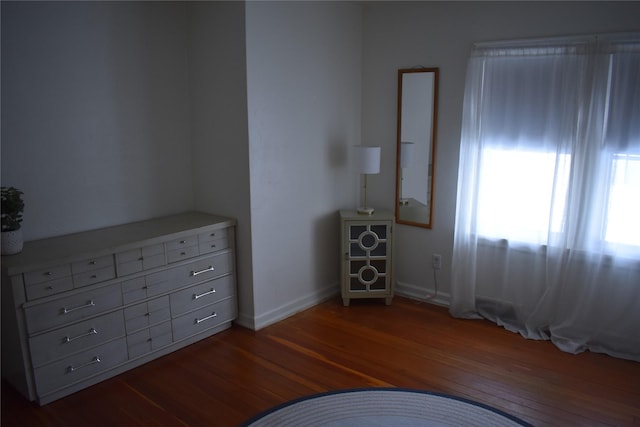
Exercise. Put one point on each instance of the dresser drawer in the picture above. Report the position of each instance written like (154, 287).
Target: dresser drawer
(182, 253)
(47, 274)
(80, 366)
(148, 340)
(94, 276)
(213, 246)
(92, 264)
(151, 285)
(72, 308)
(183, 248)
(76, 337)
(51, 287)
(212, 241)
(140, 259)
(193, 272)
(209, 236)
(201, 295)
(203, 319)
(134, 290)
(182, 242)
(148, 313)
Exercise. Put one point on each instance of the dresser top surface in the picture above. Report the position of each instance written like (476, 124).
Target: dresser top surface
(377, 215)
(93, 243)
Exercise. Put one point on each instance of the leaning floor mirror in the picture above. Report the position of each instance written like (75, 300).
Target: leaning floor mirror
(416, 146)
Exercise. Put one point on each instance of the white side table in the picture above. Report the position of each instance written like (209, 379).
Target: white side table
(367, 248)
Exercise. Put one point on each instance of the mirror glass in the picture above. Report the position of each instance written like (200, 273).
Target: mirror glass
(416, 147)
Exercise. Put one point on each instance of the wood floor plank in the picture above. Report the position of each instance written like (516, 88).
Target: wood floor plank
(230, 377)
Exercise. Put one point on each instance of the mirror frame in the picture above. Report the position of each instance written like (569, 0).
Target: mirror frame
(434, 128)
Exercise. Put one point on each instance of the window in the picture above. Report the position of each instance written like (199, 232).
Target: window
(522, 194)
(623, 210)
(558, 148)
(547, 229)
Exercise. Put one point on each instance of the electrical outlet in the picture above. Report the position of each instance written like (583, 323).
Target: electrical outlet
(436, 261)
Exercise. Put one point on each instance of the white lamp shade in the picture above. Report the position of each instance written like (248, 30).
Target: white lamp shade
(406, 153)
(368, 159)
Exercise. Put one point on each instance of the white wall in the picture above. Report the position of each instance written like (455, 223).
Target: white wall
(95, 113)
(219, 128)
(441, 34)
(303, 83)
(114, 112)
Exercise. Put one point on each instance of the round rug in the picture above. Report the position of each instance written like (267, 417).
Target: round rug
(398, 407)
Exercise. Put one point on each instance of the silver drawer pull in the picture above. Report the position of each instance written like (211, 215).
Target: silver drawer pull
(92, 331)
(87, 305)
(214, 314)
(196, 296)
(96, 359)
(210, 268)
(182, 242)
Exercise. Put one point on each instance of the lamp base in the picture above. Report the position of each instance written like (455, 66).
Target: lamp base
(365, 211)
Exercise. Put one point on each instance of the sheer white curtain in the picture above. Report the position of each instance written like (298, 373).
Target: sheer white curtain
(547, 234)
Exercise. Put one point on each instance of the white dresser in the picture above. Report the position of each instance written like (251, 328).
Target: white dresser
(81, 308)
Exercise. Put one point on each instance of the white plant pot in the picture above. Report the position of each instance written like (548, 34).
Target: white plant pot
(12, 242)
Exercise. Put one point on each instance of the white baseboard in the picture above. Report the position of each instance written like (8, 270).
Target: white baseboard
(421, 294)
(403, 289)
(288, 309)
(245, 321)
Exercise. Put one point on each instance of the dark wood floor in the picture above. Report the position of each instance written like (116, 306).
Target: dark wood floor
(230, 377)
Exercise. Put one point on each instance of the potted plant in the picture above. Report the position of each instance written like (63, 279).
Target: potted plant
(12, 208)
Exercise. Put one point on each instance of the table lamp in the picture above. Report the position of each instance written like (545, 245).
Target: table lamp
(367, 162)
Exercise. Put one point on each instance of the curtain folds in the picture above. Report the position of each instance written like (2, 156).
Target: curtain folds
(547, 240)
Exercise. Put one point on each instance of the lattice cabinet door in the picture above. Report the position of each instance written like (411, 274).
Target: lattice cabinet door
(367, 248)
